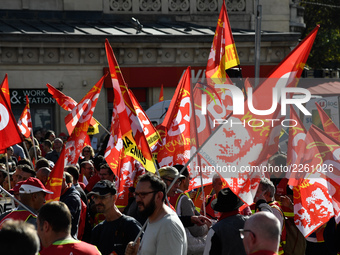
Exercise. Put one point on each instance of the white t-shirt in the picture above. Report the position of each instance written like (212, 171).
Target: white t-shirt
(166, 236)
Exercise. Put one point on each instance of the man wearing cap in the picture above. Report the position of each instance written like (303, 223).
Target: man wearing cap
(32, 195)
(112, 235)
(223, 237)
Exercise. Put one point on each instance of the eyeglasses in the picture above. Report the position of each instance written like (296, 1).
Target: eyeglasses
(245, 230)
(86, 151)
(169, 180)
(96, 197)
(143, 194)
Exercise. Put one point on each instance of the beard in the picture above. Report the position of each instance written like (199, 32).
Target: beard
(148, 208)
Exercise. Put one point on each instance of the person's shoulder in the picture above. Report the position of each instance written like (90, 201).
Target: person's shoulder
(130, 220)
(88, 249)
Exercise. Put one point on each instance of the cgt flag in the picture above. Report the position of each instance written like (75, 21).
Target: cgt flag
(223, 54)
(176, 124)
(250, 144)
(66, 102)
(24, 122)
(128, 124)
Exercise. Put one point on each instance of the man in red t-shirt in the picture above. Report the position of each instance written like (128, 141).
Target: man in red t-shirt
(54, 230)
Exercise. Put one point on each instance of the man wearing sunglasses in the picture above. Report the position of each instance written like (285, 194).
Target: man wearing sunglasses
(261, 234)
(112, 235)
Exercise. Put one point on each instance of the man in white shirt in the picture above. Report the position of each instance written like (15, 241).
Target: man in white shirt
(165, 233)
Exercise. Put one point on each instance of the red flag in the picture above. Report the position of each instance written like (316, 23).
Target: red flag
(176, 144)
(134, 141)
(316, 195)
(55, 179)
(327, 123)
(80, 113)
(66, 102)
(24, 122)
(161, 96)
(241, 147)
(149, 130)
(5, 91)
(75, 142)
(9, 130)
(223, 54)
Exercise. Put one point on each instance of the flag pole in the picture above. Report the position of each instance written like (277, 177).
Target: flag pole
(28, 155)
(7, 168)
(18, 201)
(107, 131)
(35, 151)
(197, 144)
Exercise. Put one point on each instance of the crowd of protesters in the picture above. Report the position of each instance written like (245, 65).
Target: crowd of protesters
(160, 217)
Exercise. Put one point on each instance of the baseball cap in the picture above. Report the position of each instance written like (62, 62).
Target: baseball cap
(33, 185)
(16, 187)
(169, 171)
(102, 188)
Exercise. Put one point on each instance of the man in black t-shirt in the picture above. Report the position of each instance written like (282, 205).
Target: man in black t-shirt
(113, 234)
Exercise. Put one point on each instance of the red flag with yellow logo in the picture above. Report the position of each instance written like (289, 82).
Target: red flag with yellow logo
(132, 136)
(254, 136)
(55, 179)
(223, 54)
(176, 143)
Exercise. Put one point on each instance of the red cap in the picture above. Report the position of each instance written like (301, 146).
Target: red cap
(33, 185)
(16, 187)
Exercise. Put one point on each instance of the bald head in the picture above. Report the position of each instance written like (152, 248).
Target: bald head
(265, 232)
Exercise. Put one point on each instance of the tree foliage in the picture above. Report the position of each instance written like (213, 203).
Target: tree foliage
(326, 49)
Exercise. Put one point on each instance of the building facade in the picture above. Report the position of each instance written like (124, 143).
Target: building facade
(61, 42)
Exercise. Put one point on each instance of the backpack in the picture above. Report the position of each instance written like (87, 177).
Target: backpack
(295, 241)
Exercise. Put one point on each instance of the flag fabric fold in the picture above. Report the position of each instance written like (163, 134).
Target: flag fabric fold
(223, 54)
(240, 149)
(327, 123)
(132, 136)
(9, 130)
(316, 177)
(177, 143)
(55, 179)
